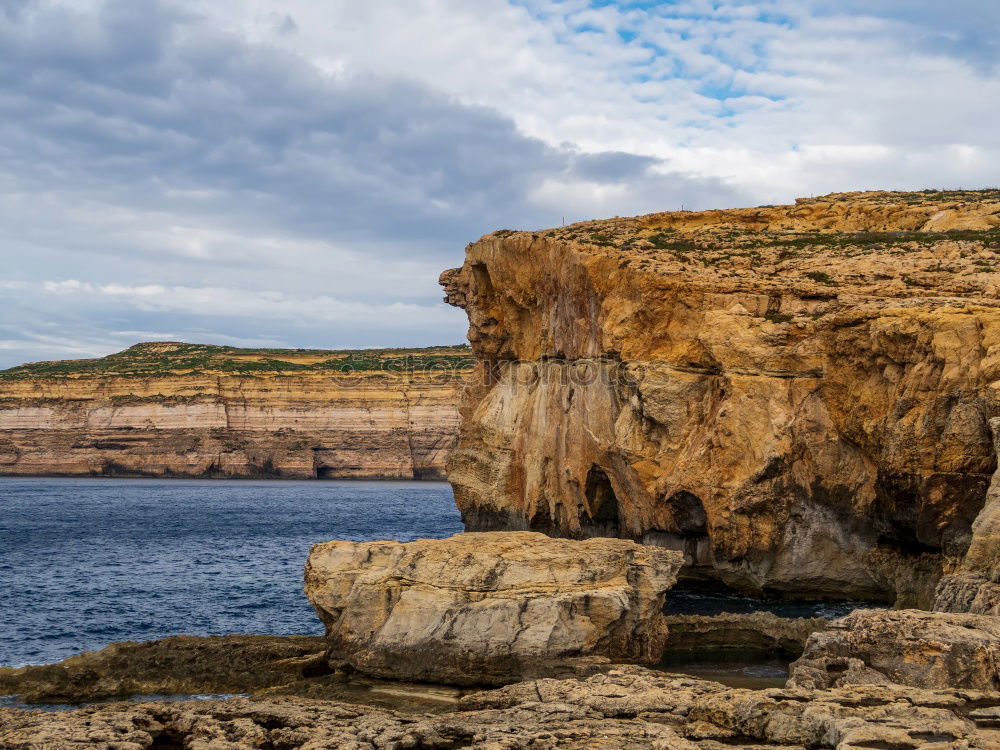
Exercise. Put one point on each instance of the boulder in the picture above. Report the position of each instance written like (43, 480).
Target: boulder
(909, 647)
(489, 608)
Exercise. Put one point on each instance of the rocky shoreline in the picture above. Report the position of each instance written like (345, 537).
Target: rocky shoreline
(419, 636)
(622, 707)
(796, 401)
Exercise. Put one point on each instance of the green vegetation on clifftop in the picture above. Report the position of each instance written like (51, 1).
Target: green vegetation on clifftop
(159, 359)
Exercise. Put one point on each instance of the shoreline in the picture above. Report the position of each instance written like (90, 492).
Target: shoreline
(217, 478)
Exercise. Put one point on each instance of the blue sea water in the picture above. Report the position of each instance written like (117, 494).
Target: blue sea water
(84, 562)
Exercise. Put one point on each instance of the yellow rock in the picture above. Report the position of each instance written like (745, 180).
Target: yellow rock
(796, 396)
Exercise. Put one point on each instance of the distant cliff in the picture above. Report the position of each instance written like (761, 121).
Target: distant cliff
(798, 396)
(186, 410)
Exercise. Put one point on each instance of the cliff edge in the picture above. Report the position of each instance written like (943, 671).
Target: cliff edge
(796, 396)
(190, 410)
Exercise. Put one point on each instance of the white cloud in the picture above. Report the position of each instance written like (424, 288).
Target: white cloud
(220, 301)
(244, 170)
(793, 83)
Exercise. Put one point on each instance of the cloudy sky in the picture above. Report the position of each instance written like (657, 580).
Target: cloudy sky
(297, 173)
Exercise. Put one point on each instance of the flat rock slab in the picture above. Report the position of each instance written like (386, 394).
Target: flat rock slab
(628, 708)
(909, 647)
(489, 608)
(180, 664)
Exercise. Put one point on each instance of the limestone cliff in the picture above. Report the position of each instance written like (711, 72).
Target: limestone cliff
(171, 409)
(797, 396)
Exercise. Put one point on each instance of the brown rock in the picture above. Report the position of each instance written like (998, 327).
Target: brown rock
(489, 608)
(181, 664)
(627, 709)
(821, 431)
(714, 716)
(975, 586)
(762, 633)
(314, 725)
(909, 647)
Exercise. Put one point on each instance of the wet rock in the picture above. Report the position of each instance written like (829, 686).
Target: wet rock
(909, 647)
(490, 608)
(181, 664)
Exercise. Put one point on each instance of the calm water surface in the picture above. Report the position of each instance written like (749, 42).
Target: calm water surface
(84, 562)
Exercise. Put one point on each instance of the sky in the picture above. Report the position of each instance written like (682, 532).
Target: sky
(256, 173)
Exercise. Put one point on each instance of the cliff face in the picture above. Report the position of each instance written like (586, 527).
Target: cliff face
(796, 396)
(157, 411)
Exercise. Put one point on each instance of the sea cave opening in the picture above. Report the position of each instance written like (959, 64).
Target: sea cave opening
(602, 502)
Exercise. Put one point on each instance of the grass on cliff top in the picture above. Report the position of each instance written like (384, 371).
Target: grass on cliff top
(928, 195)
(723, 241)
(169, 359)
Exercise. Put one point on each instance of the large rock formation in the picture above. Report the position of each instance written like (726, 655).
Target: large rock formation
(797, 396)
(908, 647)
(487, 609)
(199, 411)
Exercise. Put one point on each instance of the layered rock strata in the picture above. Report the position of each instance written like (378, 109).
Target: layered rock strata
(489, 608)
(908, 647)
(151, 411)
(798, 397)
(627, 709)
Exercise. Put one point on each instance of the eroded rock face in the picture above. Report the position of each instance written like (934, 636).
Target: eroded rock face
(219, 421)
(975, 586)
(798, 397)
(488, 608)
(909, 647)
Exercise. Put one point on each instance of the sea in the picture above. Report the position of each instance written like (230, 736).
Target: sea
(85, 562)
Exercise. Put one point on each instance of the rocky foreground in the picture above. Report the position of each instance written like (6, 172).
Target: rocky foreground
(491, 608)
(798, 397)
(626, 708)
(188, 410)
